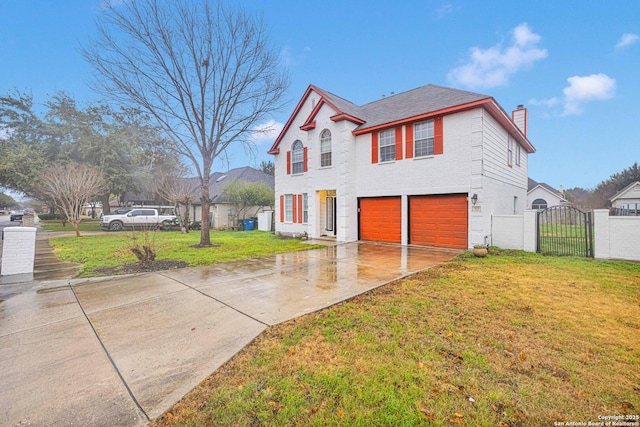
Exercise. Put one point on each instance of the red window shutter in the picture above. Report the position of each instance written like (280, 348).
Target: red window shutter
(374, 147)
(409, 145)
(281, 208)
(299, 208)
(288, 162)
(304, 159)
(399, 143)
(438, 136)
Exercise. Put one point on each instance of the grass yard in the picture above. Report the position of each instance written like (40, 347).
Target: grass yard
(514, 339)
(56, 225)
(113, 249)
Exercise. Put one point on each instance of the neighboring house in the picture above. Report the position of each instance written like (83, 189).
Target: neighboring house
(429, 166)
(222, 212)
(628, 198)
(89, 208)
(542, 196)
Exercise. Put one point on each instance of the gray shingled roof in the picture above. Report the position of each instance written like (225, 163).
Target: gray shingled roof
(216, 184)
(404, 105)
(246, 173)
(343, 105)
(533, 184)
(620, 192)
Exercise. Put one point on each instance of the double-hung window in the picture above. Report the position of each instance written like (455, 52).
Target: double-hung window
(288, 207)
(518, 154)
(325, 148)
(387, 141)
(510, 151)
(297, 157)
(424, 139)
(305, 208)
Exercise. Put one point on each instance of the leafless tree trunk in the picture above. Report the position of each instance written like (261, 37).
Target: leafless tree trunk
(203, 70)
(70, 187)
(179, 191)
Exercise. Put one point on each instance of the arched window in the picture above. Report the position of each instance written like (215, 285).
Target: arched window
(325, 148)
(297, 157)
(539, 204)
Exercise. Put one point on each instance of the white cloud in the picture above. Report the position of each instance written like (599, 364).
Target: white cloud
(545, 102)
(266, 132)
(290, 58)
(443, 10)
(493, 66)
(583, 89)
(627, 40)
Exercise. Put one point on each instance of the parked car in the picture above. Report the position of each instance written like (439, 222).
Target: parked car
(137, 218)
(120, 211)
(17, 216)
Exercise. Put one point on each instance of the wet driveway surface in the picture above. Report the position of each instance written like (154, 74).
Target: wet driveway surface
(121, 351)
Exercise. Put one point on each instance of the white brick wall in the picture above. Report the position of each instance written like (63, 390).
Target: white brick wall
(616, 237)
(508, 231)
(18, 250)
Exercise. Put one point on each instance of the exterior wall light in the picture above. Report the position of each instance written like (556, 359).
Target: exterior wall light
(474, 198)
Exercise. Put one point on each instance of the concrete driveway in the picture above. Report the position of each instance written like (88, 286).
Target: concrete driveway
(121, 351)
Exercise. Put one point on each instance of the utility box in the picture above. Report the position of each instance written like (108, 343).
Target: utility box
(18, 250)
(265, 219)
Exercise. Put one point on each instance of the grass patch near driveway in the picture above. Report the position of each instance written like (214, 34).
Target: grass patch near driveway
(514, 339)
(112, 249)
(56, 225)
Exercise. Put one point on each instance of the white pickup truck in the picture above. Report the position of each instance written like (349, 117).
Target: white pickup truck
(139, 218)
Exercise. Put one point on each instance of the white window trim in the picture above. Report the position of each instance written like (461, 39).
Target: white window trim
(324, 142)
(432, 138)
(392, 132)
(305, 208)
(294, 154)
(288, 208)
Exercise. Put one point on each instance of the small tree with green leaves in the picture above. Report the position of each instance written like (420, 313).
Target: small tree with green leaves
(247, 196)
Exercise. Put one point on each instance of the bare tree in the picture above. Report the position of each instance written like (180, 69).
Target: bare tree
(204, 71)
(70, 187)
(180, 191)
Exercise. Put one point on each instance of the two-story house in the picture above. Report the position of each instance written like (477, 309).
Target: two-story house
(428, 167)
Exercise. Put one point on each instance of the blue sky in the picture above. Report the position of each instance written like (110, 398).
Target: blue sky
(574, 64)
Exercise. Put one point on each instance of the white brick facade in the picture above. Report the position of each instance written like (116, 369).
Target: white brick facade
(473, 161)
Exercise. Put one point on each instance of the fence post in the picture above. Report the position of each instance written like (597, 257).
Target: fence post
(18, 250)
(601, 234)
(530, 230)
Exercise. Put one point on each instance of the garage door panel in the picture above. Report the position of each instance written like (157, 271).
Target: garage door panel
(440, 220)
(380, 219)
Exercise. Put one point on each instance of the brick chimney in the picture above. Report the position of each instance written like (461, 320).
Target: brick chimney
(519, 117)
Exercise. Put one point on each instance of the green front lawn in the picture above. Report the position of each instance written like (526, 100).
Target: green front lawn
(113, 249)
(514, 339)
(56, 225)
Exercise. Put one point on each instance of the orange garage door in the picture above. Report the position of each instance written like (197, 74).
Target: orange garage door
(439, 220)
(380, 219)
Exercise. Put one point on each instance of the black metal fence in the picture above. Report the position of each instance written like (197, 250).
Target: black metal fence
(565, 230)
(624, 212)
